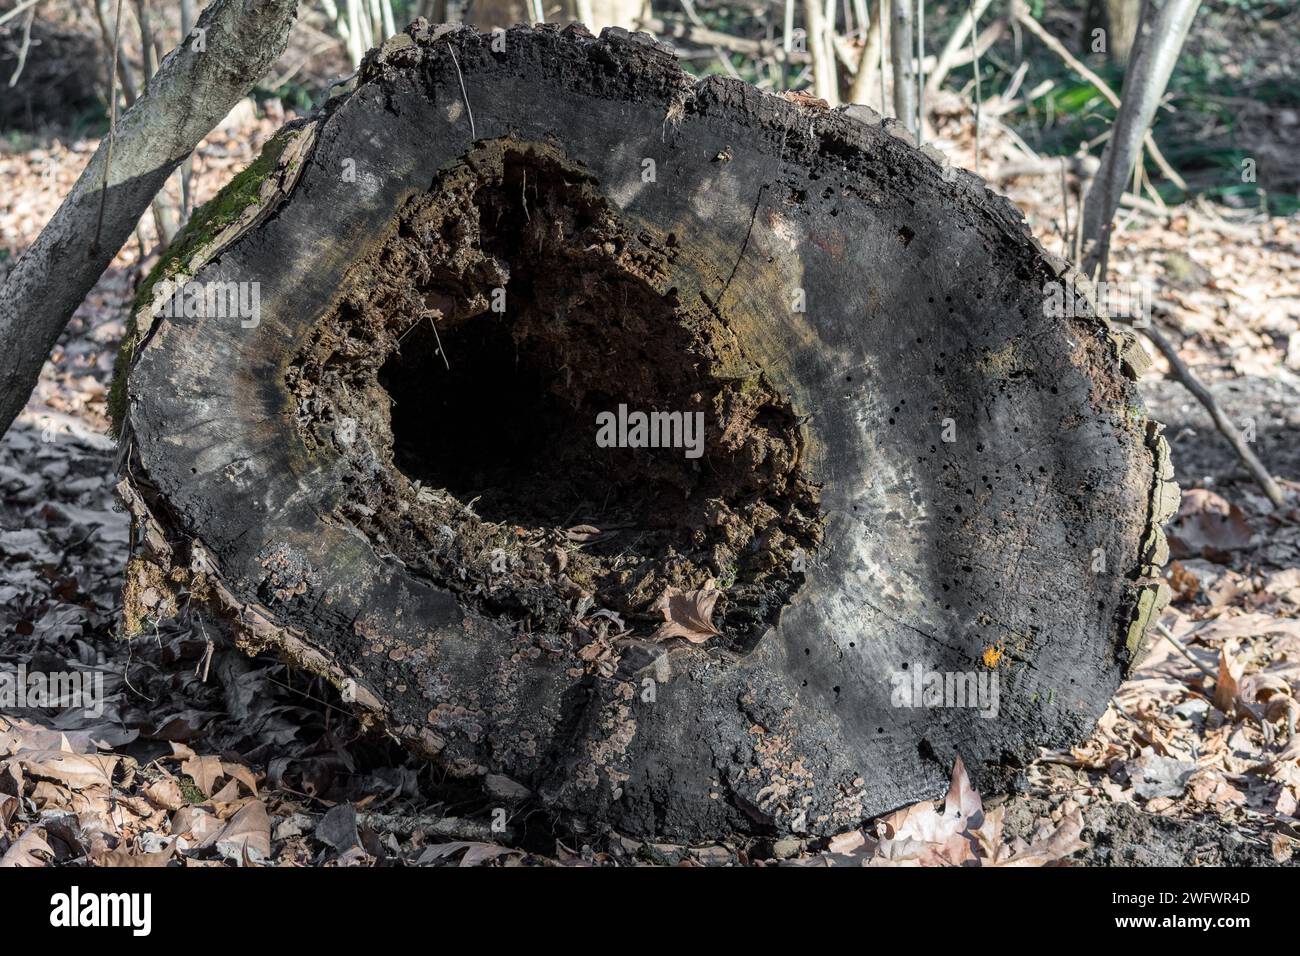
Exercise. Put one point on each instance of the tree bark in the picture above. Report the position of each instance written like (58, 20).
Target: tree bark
(825, 74)
(391, 471)
(867, 85)
(193, 90)
(1122, 18)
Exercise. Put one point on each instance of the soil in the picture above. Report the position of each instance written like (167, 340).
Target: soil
(1119, 834)
(1201, 456)
(464, 373)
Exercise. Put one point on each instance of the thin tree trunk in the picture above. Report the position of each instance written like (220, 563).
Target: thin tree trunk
(187, 168)
(190, 95)
(148, 59)
(865, 81)
(1122, 17)
(104, 17)
(920, 70)
(1020, 13)
(825, 83)
(356, 49)
(1160, 39)
(901, 53)
(165, 215)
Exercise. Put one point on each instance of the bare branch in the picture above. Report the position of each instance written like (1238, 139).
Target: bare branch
(866, 76)
(1221, 421)
(825, 75)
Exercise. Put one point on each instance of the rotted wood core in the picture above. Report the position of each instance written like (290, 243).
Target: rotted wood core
(469, 368)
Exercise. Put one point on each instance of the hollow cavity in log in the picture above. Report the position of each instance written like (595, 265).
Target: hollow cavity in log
(477, 432)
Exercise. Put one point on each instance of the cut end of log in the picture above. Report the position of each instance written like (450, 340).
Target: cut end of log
(700, 461)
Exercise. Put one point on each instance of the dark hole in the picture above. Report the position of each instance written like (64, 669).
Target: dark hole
(522, 312)
(509, 419)
(489, 428)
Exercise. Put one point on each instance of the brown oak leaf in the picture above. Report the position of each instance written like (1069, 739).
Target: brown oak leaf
(687, 614)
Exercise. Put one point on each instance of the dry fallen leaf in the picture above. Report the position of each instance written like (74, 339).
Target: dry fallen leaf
(76, 771)
(475, 852)
(1154, 775)
(801, 98)
(847, 842)
(961, 834)
(22, 852)
(1282, 848)
(1050, 846)
(1185, 584)
(1207, 526)
(205, 772)
(195, 825)
(241, 773)
(247, 836)
(687, 614)
(1227, 685)
(165, 794)
(920, 835)
(121, 857)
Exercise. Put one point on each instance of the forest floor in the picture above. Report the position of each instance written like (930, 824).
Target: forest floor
(202, 756)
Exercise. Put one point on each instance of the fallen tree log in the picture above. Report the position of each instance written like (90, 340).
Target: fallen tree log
(379, 409)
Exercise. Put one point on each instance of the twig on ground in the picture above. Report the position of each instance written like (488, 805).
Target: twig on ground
(1221, 421)
(1240, 704)
(1178, 646)
(402, 825)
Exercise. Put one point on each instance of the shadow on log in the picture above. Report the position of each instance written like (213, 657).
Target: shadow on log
(379, 411)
